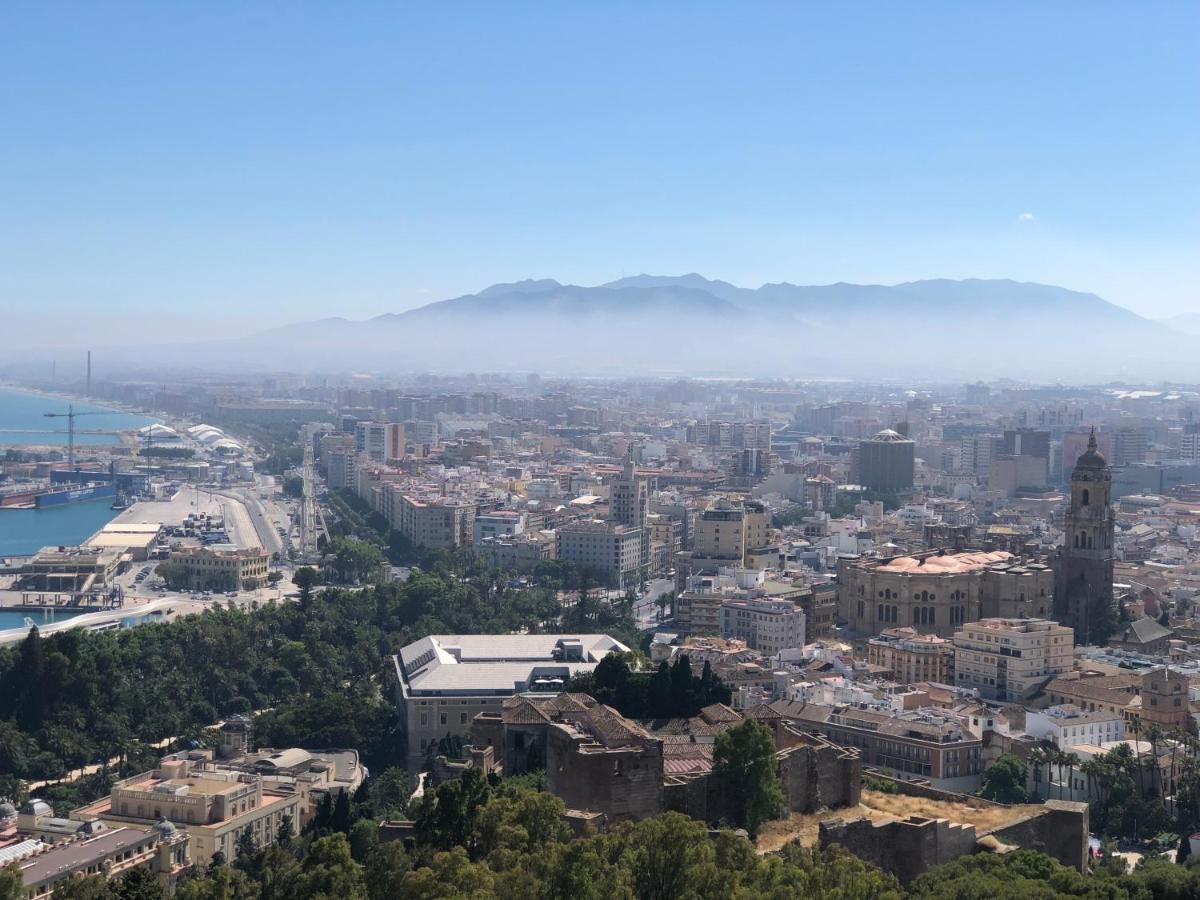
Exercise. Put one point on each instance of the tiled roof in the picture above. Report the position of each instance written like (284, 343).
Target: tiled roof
(719, 712)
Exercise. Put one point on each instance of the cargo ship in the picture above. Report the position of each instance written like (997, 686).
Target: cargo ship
(77, 494)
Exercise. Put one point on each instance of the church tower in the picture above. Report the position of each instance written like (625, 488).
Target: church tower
(1083, 592)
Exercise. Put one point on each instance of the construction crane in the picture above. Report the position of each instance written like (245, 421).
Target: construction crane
(70, 416)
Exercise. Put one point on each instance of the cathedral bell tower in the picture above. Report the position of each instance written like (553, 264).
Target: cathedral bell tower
(1083, 594)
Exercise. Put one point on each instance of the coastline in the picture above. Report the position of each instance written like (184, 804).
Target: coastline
(101, 403)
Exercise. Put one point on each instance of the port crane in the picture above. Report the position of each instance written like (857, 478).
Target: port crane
(70, 415)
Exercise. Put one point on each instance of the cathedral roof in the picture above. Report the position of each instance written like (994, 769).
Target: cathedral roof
(1092, 458)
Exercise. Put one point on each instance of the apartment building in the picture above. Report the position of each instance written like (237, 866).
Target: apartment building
(1011, 659)
(768, 626)
(912, 657)
(729, 533)
(613, 552)
(517, 554)
(434, 522)
(379, 442)
(498, 524)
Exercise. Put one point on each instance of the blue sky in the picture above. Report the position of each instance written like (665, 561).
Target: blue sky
(230, 165)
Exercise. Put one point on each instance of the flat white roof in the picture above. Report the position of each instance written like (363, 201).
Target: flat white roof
(495, 662)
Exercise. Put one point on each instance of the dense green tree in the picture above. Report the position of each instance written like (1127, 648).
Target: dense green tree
(93, 887)
(330, 872)
(138, 884)
(306, 578)
(355, 560)
(388, 793)
(385, 871)
(671, 691)
(744, 757)
(447, 817)
(364, 840)
(450, 874)
(1004, 782)
(10, 884)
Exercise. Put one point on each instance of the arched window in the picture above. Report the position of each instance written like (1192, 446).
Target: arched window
(1085, 497)
(932, 615)
(915, 614)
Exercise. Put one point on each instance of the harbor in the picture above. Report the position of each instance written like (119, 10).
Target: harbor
(84, 532)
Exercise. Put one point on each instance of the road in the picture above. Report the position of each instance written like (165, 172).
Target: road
(256, 515)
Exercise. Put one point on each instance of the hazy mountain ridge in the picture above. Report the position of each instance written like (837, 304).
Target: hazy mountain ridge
(1185, 323)
(690, 325)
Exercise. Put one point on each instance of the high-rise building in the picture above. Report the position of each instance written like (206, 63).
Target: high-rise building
(1083, 593)
(1129, 446)
(886, 462)
(379, 441)
(629, 502)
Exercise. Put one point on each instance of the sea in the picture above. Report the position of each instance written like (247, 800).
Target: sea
(25, 531)
(26, 411)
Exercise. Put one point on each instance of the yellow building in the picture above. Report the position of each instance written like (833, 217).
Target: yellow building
(913, 657)
(732, 532)
(214, 808)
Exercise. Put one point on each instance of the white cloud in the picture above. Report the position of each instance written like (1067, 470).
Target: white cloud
(1025, 217)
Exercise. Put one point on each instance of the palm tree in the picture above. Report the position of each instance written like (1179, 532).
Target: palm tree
(1154, 734)
(1174, 778)
(1091, 770)
(1071, 761)
(1038, 757)
(1136, 725)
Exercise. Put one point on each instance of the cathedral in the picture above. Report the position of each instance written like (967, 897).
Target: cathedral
(1083, 593)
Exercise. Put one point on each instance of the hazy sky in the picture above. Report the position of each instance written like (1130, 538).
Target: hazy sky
(229, 165)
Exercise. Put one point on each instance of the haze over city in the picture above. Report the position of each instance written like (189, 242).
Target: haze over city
(226, 168)
(613, 451)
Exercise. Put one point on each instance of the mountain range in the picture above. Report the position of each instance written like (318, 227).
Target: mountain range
(690, 325)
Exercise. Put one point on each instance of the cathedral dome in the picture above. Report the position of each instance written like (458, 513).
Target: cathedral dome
(1091, 458)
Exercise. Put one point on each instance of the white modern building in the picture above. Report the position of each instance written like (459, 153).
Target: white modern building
(768, 626)
(445, 680)
(1068, 725)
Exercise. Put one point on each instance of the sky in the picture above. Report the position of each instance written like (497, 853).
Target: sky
(213, 168)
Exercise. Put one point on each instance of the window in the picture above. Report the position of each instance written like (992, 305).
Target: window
(1085, 497)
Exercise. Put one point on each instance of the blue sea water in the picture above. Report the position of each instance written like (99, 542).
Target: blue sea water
(25, 531)
(25, 411)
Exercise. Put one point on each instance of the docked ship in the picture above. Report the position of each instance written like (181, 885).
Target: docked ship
(80, 493)
(40, 497)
